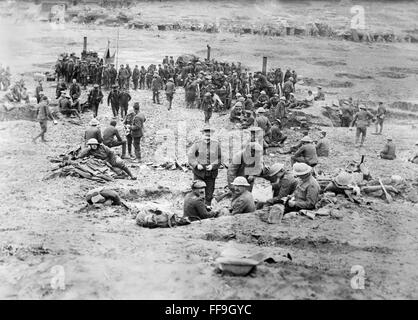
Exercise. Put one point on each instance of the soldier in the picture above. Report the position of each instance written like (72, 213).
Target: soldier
(99, 74)
(246, 163)
(288, 88)
(248, 120)
(362, 121)
(84, 73)
(112, 138)
(165, 60)
(306, 194)
(306, 153)
(124, 98)
(113, 74)
(389, 151)
(322, 146)
(194, 206)
(95, 98)
(60, 87)
(134, 123)
(128, 76)
(100, 151)
(75, 89)
(93, 131)
(169, 91)
(92, 72)
(319, 95)
(243, 202)
(106, 77)
(346, 115)
(148, 79)
(69, 70)
(236, 113)
(135, 77)
(142, 75)
(43, 115)
(282, 182)
(207, 106)
(205, 158)
(123, 76)
(113, 98)
(171, 62)
(38, 91)
(380, 118)
(156, 85)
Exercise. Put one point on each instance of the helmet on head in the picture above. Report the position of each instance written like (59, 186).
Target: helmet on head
(92, 141)
(300, 169)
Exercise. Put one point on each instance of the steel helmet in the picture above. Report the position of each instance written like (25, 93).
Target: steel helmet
(92, 141)
(300, 169)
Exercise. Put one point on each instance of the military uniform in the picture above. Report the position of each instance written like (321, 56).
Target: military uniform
(113, 99)
(94, 99)
(206, 153)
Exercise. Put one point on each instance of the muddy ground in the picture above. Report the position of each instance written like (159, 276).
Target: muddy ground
(106, 256)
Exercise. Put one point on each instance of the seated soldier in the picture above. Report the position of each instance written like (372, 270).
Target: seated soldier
(93, 131)
(282, 182)
(194, 203)
(112, 138)
(322, 146)
(100, 151)
(308, 101)
(248, 120)
(319, 95)
(263, 98)
(236, 113)
(65, 106)
(389, 151)
(306, 153)
(243, 201)
(306, 194)
(292, 103)
(248, 103)
(276, 136)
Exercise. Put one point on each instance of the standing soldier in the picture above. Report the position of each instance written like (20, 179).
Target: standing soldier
(171, 61)
(124, 98)
(205, 158)
(43, 115)
(38, 91)
(113, 74)
(169, 91)
(135, 77)
(95, 98)
(113, 98)
(134, 123)
(128, 76)
(156, 85)
(84, 73)
(148, 79)
(142, 74)
(380, 118)
(362, 119)
(207, 106)
(106, 77)
(99, 74)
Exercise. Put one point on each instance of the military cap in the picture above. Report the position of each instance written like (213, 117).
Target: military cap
(198, 184)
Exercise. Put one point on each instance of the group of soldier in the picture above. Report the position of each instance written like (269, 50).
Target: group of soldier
(259, 103)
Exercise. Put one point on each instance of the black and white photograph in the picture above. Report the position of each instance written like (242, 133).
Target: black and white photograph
(207, 150)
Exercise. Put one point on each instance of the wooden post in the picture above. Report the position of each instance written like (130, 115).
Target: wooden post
(264, 65)
(208, 57)
(85, 44)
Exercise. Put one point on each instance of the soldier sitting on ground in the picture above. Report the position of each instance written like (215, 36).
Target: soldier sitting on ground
(100, 151)
(194, 203)
(389, 151)
(243, 201)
